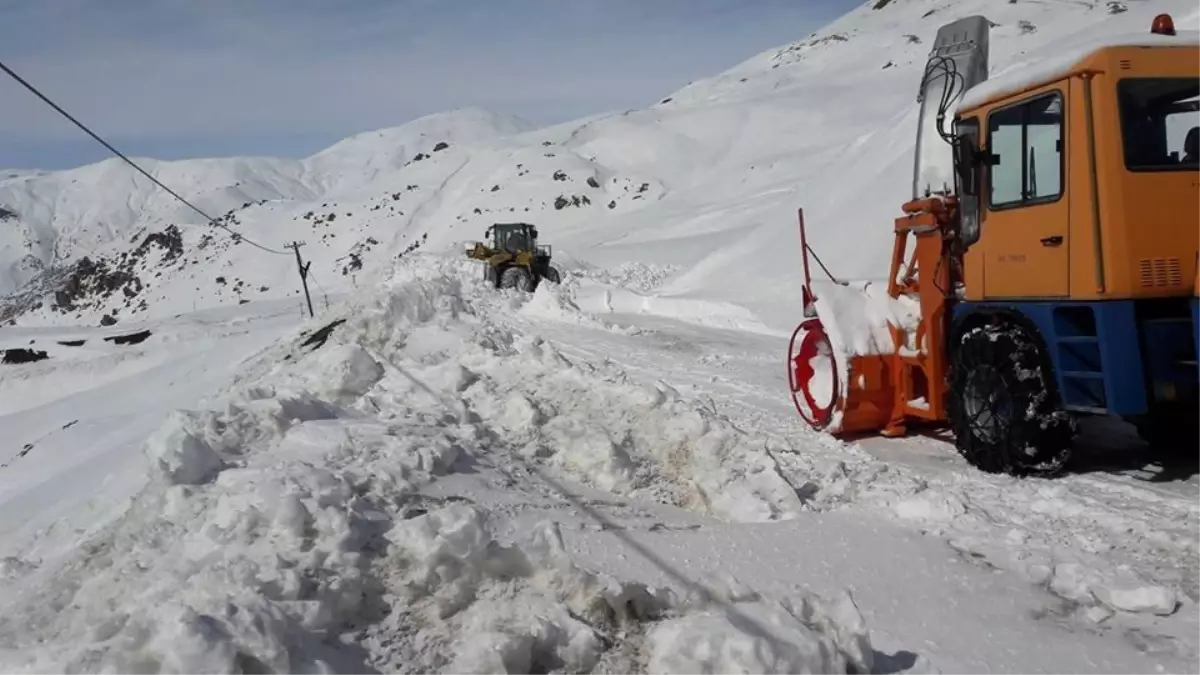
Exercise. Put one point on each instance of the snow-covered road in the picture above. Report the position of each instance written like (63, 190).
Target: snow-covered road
(459, 479)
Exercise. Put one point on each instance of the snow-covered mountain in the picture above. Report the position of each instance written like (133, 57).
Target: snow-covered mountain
(433, 475)
(107, 209)
(704, 184)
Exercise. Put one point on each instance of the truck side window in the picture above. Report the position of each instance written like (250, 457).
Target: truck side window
(1158, 116)
(1026, 145)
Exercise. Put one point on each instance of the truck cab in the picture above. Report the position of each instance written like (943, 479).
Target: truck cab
(1079, 185)
(1047, 259)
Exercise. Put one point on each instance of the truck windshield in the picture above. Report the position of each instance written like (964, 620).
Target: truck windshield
(511, 239)
(1160, 123)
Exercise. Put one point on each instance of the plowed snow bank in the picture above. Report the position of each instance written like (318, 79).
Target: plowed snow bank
(286, 530)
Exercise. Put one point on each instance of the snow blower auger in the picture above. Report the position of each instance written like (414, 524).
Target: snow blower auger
(1013, 309)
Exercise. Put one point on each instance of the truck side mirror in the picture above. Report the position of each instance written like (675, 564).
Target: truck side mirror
(966, 164)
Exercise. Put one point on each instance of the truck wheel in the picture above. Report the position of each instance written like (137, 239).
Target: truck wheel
(1002, 406)
(552, 275)
(516, 278)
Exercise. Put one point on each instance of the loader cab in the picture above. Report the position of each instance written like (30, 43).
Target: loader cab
(513, 237)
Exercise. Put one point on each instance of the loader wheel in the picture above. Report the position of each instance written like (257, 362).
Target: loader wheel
(1003, 408)
(516, 278)
(552, 276)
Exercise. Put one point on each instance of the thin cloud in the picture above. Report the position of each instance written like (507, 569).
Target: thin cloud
(286, 76)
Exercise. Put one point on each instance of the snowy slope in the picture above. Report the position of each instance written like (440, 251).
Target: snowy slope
(703, 185)
(12, 174)
(58, 217)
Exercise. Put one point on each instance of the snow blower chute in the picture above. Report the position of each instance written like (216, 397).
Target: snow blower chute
(859, 362)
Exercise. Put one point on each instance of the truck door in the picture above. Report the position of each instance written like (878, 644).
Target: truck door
(1027, 228)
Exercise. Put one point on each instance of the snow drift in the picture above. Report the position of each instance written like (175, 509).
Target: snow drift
(289, 527)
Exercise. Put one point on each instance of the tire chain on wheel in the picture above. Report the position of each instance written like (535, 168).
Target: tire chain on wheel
(1034, 421)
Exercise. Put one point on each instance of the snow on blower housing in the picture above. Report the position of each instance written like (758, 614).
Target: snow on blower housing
(1054, 271)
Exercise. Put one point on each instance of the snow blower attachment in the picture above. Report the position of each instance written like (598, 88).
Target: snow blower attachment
(823, 376)
(873, 373)
(860, 362)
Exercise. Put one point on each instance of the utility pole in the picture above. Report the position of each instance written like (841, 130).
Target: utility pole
(295, 246)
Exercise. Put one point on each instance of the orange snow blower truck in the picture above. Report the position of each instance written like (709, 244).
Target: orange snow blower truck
(1047, 259)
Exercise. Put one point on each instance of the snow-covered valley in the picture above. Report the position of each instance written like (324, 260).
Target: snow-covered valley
(606, 475)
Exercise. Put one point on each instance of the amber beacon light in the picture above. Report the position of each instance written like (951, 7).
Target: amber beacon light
(1163, 25)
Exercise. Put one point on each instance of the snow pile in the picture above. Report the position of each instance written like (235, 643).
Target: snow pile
(286, 529)
(588, 421)
(181, 453)
(637, 276)
(532, 609)
(604, 431)
(786, 636)
(859, 318)
(556, 302)
(501, 608)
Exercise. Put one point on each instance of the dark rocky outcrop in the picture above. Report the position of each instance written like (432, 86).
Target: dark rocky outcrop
(130, 338)
(22, 355)
(318, 338)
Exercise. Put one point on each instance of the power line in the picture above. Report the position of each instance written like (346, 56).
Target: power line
(130, 162)
(320, 287)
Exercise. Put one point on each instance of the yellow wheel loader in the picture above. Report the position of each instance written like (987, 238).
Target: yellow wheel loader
(513, 258)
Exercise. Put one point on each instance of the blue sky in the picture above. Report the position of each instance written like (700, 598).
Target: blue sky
(188, 78)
